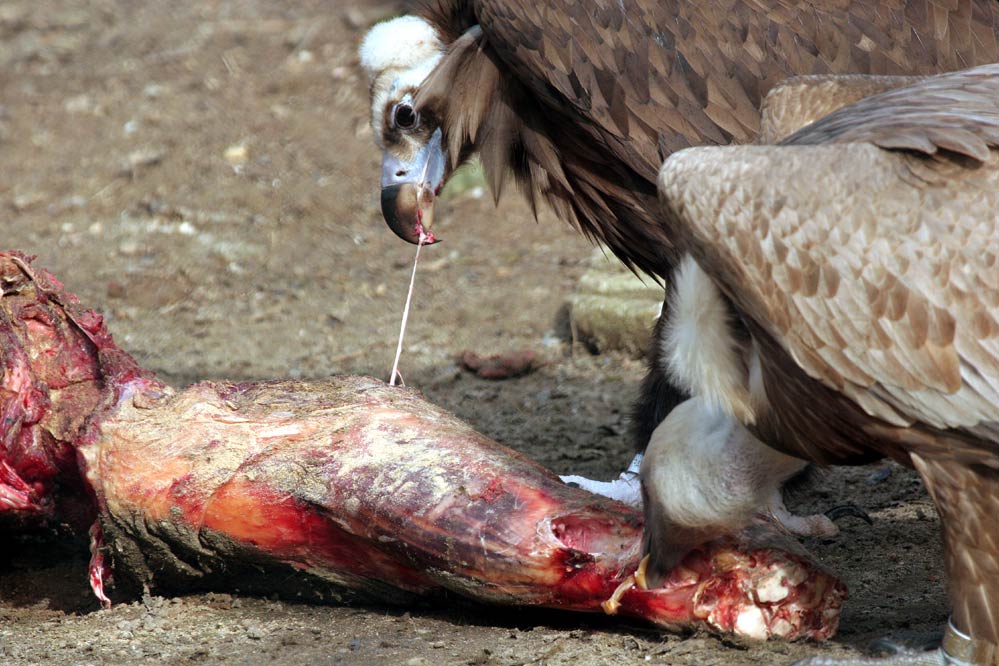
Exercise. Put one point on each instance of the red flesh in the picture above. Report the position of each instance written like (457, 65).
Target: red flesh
(350, 482)
(429, 238)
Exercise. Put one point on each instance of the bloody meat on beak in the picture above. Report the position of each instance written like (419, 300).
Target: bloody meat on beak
(409, 189)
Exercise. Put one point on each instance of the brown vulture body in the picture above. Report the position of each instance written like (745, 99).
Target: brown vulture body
(581, 102)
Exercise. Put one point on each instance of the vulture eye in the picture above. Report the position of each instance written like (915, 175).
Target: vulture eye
(405, 117)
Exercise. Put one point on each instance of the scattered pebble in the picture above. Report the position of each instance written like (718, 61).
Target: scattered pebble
(236, 154)
(26, 201)
(79, 104)
(153, 90)
(253, 630)
(879, 475)
(354, 18)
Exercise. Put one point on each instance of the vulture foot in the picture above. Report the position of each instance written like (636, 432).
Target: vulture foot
(626, 488)
(637, 579)
(848, 510)
(816, 525)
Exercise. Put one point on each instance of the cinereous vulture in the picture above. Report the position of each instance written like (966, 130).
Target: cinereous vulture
(580, 102)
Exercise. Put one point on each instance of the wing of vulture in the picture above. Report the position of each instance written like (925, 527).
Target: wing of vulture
(862, 253)
(579, 102)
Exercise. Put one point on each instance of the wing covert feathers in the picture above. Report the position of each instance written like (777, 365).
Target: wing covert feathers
(877, 271)
(653, 77)
(580, 102)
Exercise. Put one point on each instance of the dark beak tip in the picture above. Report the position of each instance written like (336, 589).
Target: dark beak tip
(399, 214)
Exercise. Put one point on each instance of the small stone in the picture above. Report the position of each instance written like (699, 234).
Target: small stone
(879, 475)
(153, 90)
(144, 158)
(28, 200)
(612, 308)
(254, 632)
(354, 18)
(236, 154)
(79, 104)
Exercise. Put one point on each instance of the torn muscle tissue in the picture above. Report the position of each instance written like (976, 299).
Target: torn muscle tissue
(355, 487)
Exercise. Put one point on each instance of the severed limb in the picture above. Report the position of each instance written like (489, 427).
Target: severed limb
(338, 490)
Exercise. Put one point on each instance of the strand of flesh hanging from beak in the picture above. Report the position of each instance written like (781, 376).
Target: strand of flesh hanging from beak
(405, 312)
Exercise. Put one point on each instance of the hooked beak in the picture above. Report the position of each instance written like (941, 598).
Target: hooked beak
(410, 188)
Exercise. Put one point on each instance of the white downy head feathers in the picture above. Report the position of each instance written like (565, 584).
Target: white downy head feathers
(397, 55)
(404, 43)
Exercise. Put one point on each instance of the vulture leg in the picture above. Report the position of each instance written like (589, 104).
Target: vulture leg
(659, 394)
(967, 499)
(704, 475)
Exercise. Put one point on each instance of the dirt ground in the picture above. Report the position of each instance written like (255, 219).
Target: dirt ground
(203, 173)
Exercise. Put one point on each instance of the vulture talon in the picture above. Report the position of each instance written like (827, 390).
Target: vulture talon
(851, 510)
(640, 574)
(612, 605)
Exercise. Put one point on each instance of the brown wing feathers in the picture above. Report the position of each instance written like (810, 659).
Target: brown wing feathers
(581, 101)
(953, 114)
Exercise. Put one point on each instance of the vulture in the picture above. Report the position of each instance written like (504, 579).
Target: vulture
(859, 259)
(580, 103)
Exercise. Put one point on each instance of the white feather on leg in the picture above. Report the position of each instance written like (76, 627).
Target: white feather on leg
(705, 470)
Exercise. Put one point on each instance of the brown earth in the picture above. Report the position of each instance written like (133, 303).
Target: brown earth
(203, 173)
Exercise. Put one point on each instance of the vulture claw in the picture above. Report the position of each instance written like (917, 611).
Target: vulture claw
(852, 510)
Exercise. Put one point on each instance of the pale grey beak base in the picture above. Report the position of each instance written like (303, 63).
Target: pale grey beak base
(425, 170)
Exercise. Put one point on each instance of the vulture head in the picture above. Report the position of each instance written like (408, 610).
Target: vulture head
(398, 55)
(440, 94)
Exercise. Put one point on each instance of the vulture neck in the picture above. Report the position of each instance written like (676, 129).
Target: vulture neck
(551, 152)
